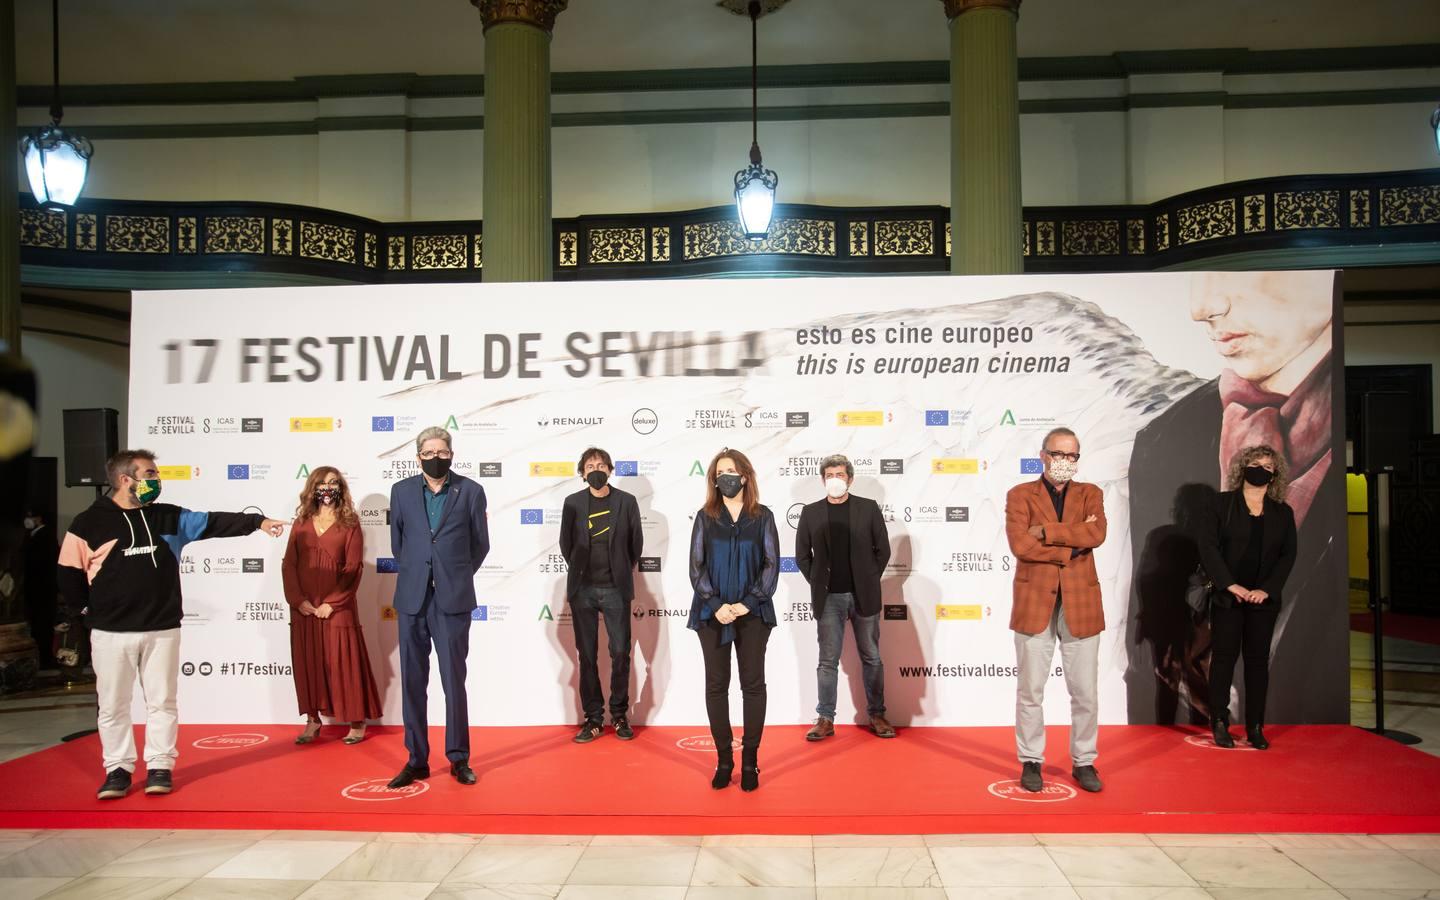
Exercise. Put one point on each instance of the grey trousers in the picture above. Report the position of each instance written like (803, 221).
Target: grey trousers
(1081, 660)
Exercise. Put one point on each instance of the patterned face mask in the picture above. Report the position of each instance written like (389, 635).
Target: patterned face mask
(1062, 470)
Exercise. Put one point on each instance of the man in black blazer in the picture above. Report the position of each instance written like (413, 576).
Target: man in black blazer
(842, 546)
(439, 536)
(601, 540)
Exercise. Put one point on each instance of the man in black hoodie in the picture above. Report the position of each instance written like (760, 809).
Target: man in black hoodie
(120, 569)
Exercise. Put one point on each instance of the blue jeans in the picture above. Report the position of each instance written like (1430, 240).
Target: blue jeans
(831, 628)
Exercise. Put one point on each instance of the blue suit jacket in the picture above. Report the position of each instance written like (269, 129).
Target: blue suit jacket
(452, 555)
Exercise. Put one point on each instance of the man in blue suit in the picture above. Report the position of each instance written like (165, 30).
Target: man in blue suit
(439, 536)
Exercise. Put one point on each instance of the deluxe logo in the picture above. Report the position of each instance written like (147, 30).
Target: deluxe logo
(792, 515)
(1052, 792)
(626, 468)
(703, 743)
(177, 473)
(896, 612)
(552, 469)
(951, 465)
(644, 420)
(488, 470)
(957, 513)
(649, 563)
(1031, 466)
(382, 423)
(797, 420)
(252, 566)
(386, 565)
(235, 741)
(252, 426)
(937, 417)
(788, 564)
(379, 789)
(856, 418)
(892, 467)
(237, 473)
(313, 424)
(532, 517)
(480, 614)
(959, 612)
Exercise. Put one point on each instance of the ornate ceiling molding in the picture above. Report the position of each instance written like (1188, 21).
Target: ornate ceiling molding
(539, 13)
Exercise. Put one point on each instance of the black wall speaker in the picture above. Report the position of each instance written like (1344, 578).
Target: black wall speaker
(1385, 431)
(91, 437)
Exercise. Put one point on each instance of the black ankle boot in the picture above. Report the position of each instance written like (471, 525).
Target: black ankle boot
(723, 770)
(749, 770)
(1255, 734)
(1220, 729)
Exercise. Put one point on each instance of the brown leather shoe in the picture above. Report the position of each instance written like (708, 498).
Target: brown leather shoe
(881, 727)
(823, 728)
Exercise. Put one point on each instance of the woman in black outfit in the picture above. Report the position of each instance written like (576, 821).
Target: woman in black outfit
(734, 568)
(1247, 548)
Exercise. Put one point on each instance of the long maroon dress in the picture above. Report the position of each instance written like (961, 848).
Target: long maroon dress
(332, 668)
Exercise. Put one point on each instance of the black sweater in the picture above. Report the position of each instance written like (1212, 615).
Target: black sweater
(121, 567)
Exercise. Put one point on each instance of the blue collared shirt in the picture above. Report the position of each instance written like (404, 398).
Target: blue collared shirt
(435, 501)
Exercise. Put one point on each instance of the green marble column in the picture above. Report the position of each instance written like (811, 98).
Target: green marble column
(9, 185)
(985, 219)
(517, 138)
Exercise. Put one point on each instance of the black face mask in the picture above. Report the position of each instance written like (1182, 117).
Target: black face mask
(1258, 476)
(597, 478)
(435, 467)
(729, 484)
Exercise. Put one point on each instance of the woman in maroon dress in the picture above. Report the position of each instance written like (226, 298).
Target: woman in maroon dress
(322, 572)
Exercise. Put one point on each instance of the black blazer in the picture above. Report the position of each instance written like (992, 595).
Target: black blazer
(1223, 537)
(626, 542)
(869, 551)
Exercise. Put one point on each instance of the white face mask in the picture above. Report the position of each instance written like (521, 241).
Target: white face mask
(836, 487)
(1062, 470)
(32, 524)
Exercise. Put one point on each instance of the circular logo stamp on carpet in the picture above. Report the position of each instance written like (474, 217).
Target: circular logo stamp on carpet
(1052, 792)
(230, 741)
(703, 743)
(1207, 742)
(374, 789)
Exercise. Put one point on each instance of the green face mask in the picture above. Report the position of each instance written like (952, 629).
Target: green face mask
(147, 491)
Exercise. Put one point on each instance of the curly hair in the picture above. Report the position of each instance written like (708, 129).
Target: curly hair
(344, 506)
(1279, 485)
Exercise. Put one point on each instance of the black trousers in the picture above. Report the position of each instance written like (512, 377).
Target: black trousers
(751, 636)
(586, 608)
(1244, 629)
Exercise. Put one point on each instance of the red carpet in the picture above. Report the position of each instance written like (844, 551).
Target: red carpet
(1327, 778)
(1424, 629)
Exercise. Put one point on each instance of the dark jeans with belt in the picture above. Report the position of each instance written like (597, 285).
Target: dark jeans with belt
(751, 636)
(1244, 629)
(586, 608)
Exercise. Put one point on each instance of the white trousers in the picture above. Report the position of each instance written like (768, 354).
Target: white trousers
(119, 658)
(1081, 660)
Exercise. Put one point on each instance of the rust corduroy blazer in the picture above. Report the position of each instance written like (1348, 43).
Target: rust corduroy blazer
(1044, 567)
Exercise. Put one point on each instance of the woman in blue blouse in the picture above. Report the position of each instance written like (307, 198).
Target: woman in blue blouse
(734, 567)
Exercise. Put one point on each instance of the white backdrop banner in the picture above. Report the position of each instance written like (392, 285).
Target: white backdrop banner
(939, 388)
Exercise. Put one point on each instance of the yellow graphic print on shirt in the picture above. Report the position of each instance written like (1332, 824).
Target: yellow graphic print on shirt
(595, 522)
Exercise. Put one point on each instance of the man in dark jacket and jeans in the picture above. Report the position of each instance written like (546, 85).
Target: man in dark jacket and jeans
(601, 540)
(120, 569)
(841, 547)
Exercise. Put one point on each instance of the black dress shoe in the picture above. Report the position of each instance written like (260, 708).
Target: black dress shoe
(623, 731)
(1030, 778)
(1255, 734)
(463, 773)
(1220, 730)
(1087, 778)
(408, 776)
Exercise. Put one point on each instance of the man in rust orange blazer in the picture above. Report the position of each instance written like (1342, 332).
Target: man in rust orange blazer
(1054, 524)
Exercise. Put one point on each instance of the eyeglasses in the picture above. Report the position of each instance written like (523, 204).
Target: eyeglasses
(436, 454)
(1059, 455)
